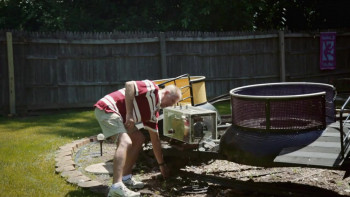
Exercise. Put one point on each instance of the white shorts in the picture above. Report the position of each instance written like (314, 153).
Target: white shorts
(110, 123)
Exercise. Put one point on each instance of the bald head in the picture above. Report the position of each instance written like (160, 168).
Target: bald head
(174, 91)
(170, 95)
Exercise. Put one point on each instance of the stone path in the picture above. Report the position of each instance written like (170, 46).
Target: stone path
(66, 167)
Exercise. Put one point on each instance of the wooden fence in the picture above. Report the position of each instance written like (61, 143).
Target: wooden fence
(72, 70)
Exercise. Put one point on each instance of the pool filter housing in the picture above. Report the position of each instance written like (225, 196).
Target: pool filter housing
(189, 124)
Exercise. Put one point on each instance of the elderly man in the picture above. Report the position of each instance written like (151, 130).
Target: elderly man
(119, 114)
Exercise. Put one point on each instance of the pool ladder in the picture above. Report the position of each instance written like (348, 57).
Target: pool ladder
(344, 124)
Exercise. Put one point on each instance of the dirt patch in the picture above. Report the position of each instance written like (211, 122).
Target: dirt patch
(220, 177)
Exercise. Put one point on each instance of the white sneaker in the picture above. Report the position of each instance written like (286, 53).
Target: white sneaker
(122, 191)
(133, 184)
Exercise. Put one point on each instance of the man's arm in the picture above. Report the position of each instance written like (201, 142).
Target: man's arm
(157, 150)
(129, 105)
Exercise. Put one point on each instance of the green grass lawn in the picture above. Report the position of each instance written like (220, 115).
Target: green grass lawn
(28, 146)
(224, 107)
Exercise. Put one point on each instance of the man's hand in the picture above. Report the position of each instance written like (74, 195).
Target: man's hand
(157, 150)
(129, 122)
(165, 171)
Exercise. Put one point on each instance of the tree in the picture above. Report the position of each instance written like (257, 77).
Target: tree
(172, 15)
(298, 15)
(31, 15)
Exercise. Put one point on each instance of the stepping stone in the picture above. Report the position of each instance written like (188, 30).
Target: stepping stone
(78, 179)
(64, 153)
(67, 147)
(64, 168)
(65, 163)
(73, 173)
(100, 168)
(64, 158)
(88, 184)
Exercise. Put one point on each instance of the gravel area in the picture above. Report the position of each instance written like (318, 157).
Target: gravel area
(234, 179)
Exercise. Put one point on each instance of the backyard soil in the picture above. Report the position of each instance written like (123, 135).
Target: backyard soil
(219, 177)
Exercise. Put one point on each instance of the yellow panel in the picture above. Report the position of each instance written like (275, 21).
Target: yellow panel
(198, 88)
(199, 93)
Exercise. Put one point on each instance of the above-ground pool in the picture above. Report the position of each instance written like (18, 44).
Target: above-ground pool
(269, 117)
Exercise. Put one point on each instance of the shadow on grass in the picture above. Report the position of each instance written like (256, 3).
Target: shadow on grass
(84, 193)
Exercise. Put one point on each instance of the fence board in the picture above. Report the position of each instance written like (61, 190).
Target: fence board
(4, 101)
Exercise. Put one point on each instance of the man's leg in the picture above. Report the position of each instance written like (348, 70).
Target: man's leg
(137, 139)
(124, 145)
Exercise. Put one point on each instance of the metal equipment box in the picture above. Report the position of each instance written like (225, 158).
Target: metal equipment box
(189, 124)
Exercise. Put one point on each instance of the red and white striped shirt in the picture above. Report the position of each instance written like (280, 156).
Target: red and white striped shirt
(146, 104)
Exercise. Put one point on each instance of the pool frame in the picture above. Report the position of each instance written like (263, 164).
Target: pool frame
(239, 93)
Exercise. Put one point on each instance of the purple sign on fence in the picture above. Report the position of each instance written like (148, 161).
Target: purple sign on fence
(327, 50)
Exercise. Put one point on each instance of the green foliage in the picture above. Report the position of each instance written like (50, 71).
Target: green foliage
(28, 146)
(295, 15)
(172, 15)
(32, 15)
(127, 15)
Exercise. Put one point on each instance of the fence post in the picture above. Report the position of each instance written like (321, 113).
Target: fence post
(12, 95)
(282, 56)
(163, 55)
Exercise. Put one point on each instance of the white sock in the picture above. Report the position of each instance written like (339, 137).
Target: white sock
(126, 177)
(116, 185)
